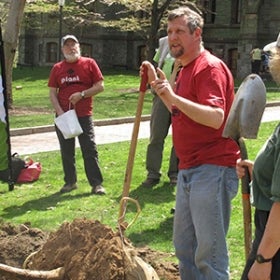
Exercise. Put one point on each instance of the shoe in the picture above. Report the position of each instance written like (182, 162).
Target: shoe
(68, 188)
(150, 182)
(98, 190)
(173, 182)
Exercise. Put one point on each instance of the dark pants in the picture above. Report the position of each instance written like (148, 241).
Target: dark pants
(256, 66)
(261, 218)
(159, 126)
(89, 153)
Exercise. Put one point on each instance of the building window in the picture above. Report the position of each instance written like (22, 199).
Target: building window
(40, 53)
(210, 11)
(232, 60)
(235, 11)
(86, 50)
(52, 52)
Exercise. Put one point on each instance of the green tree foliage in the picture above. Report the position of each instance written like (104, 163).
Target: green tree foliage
(146, 16)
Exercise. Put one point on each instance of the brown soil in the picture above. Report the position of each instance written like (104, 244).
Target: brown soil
(87, 249)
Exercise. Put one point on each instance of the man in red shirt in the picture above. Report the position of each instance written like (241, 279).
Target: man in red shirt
(73, 82)
(207, 180)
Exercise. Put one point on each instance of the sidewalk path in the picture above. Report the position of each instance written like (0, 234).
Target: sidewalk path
(47, 141)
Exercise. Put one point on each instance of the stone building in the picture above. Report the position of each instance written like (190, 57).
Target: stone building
(231, 30)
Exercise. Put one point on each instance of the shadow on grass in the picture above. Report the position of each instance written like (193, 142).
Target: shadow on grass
(160, 194)
(154, 235)
(40, 204)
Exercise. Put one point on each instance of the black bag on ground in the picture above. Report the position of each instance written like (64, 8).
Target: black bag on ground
(17, 165)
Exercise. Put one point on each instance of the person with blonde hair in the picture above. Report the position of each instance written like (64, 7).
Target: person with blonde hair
(264, 259)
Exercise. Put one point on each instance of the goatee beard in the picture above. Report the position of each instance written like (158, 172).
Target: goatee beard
(178, 53)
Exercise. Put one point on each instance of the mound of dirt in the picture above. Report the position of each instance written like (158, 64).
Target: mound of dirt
(86, 249)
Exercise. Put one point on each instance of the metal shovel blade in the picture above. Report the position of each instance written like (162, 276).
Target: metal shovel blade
(247, 109)
(243, 122)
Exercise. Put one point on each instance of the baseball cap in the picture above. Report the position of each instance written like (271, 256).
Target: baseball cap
(67, 37)
(271, 46)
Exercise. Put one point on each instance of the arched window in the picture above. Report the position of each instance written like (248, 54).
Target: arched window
(86, 50)
(210, 8)
(235, 11)
(51, 52)
(232, 60)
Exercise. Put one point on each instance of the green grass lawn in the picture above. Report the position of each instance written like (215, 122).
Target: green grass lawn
(41, 204)
(31, 97)
(44, 207)
(119, 99)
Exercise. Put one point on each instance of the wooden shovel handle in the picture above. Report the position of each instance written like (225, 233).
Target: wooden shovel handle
(133, 142)
(55, 274)
(245, 189)
(144, 80)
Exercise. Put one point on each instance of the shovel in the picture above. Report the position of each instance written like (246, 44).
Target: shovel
(243, 122)
(133, 143)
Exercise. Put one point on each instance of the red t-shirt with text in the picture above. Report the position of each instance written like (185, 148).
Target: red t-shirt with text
(69, 78)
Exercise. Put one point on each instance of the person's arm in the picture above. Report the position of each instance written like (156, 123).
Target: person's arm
(94, 90)
(54, 101)
(152, 77)
(269, 245)
(202, 114)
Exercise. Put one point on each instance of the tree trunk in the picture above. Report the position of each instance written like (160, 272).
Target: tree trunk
(10, 38)
(156, 16)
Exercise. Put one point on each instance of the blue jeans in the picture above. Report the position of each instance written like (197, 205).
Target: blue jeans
(89, 153)
(201, 222)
